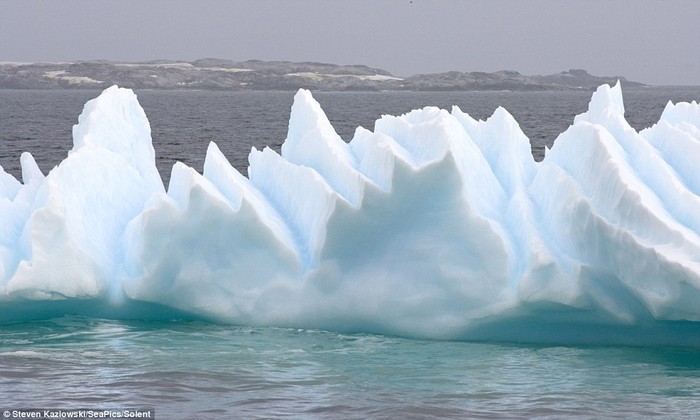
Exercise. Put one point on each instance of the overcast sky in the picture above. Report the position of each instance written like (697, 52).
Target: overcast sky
(652, 41)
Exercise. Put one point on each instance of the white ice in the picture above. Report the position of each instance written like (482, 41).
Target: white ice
(433, 225)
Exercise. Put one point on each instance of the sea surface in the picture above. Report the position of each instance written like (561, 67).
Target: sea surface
(194, 369)
(184, 122)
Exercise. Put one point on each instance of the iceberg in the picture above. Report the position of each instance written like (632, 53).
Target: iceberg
(432, 225)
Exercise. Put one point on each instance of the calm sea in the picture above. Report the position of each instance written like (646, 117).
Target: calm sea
(184, 122)
(192, 369)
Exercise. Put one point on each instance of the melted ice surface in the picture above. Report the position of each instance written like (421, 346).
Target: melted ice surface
(432, 225)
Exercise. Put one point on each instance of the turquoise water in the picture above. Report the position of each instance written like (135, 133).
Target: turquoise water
(192, 369)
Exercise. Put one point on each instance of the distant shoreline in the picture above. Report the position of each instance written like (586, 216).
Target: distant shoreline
(255, 75)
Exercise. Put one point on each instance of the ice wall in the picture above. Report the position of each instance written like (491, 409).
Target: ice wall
(431, 225)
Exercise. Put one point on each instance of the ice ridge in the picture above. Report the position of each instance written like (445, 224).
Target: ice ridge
(433, 224)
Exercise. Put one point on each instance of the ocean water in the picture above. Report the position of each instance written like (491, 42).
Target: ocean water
(184, 122)
(185, 368)
(198, 370)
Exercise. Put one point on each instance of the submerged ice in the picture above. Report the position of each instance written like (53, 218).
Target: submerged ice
(432, 225)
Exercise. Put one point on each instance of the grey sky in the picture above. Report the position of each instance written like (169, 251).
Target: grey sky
(652, 41)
